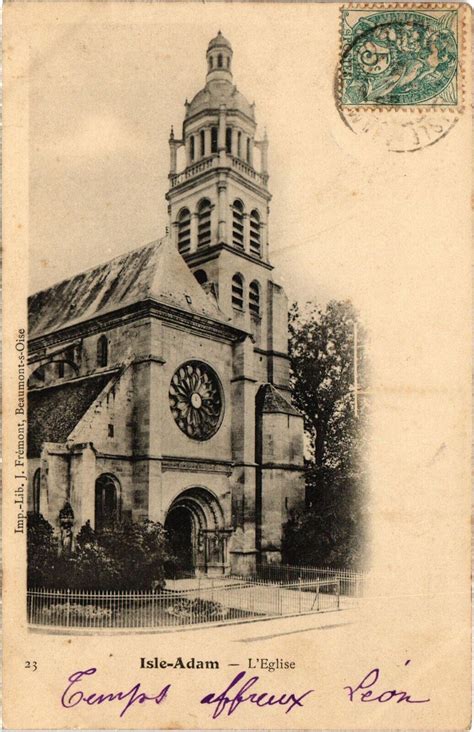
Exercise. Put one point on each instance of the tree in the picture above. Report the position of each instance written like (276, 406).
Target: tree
(127, 556)
(90, 566)
(322, 355)
(42, 550)
(141, 551)
(322, 378)
(331, 530)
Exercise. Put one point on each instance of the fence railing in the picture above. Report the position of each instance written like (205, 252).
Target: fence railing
(222, 601)
(352, 584)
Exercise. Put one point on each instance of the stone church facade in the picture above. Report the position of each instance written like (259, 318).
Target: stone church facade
(159, 381)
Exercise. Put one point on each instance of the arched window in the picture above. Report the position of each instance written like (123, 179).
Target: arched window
(203, 143)
(204, 222)
(107, 502)
(228, 61)
(248, 149)
(219, 60)
(201, 276)
(211, 61)
(102, 351)
(255, 247)
(37, 491)
(61, 370)
(239, 144)
(254, 298)
(184, 231)
(237, 292)
(238, 224)
(213, 139)
(228, 140)
(191, 147)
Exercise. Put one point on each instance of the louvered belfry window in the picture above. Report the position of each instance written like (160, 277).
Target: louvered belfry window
(238, 224)
(204, 222)
(184, 231)
(237, 292)
(255, 245)
(254, 298)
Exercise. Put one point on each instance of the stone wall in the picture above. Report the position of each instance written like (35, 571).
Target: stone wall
(281, 479)
(129, 433)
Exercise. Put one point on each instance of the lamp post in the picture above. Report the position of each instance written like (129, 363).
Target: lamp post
(356, 347)
(356, 368)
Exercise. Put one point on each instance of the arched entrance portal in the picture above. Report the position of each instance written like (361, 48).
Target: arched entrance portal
(197, 533)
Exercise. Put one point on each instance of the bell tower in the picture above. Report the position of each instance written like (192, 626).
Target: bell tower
(218, 203)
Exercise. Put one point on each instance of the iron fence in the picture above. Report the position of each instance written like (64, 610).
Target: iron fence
(221, 601)
(352, 584)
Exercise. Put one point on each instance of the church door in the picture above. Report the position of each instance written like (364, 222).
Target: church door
(197, 533)
(179, 524)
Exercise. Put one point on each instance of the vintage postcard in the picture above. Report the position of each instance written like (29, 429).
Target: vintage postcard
(237, 333)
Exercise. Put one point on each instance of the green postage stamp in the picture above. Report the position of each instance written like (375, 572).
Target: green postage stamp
(399, 57)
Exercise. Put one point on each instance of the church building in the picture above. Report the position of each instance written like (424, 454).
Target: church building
(159, 381)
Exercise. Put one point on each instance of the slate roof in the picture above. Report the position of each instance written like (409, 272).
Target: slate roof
(53, 412)
(155, 271)
(272, 401)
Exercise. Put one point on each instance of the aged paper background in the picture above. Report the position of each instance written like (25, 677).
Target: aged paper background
(90, 92)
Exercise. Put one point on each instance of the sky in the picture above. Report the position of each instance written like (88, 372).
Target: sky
(106, 88)
(102, 101)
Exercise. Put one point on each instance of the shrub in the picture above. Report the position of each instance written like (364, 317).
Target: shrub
(203, 610)
(42, 551)
(60, 610)
(128, 556)
(330, 532)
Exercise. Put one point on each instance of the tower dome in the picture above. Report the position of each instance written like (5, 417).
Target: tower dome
(219, 89)
(214, 95)
(219, 41)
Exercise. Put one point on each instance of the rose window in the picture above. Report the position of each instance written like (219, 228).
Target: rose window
(196, 400)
